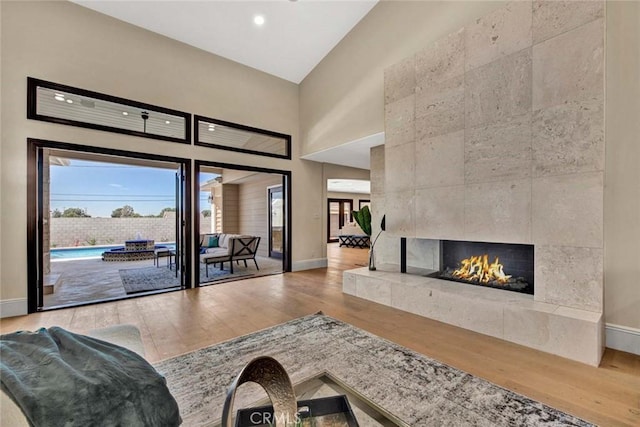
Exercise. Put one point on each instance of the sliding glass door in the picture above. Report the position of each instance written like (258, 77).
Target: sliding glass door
(276, 222)
(234, 201)
(104, 225)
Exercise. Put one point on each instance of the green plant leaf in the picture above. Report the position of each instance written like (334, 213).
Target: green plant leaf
(363, 218)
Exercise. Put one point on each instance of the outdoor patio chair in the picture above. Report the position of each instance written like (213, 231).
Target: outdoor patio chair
(244, 248)
(241, 248)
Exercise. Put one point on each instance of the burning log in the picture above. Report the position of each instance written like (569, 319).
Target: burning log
(478, 269)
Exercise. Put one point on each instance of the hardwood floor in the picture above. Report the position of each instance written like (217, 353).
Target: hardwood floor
(178, 322)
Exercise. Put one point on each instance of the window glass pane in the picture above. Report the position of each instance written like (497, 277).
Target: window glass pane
(227, 136)
(78, 107)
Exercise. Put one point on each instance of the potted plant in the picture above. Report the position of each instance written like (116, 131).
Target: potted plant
(363, 218)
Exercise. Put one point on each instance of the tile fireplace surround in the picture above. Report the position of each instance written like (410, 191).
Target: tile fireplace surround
(564, 331)
(495, 133)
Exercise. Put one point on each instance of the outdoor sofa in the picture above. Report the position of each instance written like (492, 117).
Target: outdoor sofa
(221, 248)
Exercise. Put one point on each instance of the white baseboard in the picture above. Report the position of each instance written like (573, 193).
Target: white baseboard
(309, 264)
(13, 307)
(623, 338)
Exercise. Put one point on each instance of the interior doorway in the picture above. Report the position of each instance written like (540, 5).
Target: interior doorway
(104, 225)
(339, 213)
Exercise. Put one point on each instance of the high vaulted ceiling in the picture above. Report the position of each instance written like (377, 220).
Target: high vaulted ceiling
(294, 38)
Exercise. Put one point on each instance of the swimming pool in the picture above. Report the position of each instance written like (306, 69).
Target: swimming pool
(59, 254)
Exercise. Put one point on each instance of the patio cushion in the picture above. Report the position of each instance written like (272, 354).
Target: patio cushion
(212, 242)
(215, 252)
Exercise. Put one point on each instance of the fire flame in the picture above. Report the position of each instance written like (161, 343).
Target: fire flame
(477, 268)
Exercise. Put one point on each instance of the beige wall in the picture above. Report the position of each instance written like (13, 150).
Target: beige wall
(254, 210)
(68, 232)
(342, 98)
(1, 139)
(622, 173)
(230, 208)
(65, 43)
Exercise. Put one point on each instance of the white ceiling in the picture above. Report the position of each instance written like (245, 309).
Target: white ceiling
(295, 37)
(354, 154)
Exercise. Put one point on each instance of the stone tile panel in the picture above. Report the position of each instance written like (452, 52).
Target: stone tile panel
(399, 80)
(423, 253)
(500, 33)
(377, 169)
(414, 298)
(440, 109)
(440, 61)
(555, 333)
(569, 276)
(373, 289)
(552, 17)
(568, 210)
(569, 138)
(399, 167)
(569, 67)
(440, 212)
(483, 316)
(439, 161)
(400, 212)
(498, 212)
(378, 206)
(399, 122)
(498, 90)
(349, 283)
(500, 151)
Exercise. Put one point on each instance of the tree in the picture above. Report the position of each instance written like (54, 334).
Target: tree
(206, 213)
(70, 213)
(161, 214)
(124, 212)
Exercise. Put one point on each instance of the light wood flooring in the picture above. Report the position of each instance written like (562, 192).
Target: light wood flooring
(178, 322)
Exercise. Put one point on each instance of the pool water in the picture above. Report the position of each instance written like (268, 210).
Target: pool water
(89, 251)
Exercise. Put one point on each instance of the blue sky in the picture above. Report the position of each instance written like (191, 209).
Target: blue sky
(102, 187)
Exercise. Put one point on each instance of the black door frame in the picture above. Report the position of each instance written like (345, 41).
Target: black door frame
(35, 227)
(340, 215)
(286, 185)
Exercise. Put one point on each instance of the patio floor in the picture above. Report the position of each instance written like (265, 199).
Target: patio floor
(89, 280)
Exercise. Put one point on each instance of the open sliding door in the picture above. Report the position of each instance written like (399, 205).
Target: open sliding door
(35, 228)
(181, 227)
(276, 222)
(86, 241)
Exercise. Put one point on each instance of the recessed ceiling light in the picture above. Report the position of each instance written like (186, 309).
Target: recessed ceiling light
(59, 97)
(70, 101)
(258, 20)
(124, 113)
(167, 122)
(212, 128)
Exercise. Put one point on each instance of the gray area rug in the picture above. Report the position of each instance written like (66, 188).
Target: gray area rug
(418, 390)
(147, 279)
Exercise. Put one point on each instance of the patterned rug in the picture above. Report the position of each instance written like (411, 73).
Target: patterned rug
(147, 279)
(418, 390)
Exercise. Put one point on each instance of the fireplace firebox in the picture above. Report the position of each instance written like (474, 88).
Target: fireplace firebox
(504, 266)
